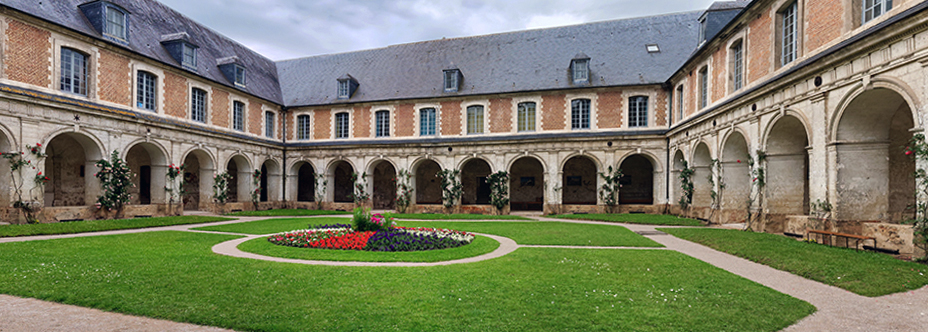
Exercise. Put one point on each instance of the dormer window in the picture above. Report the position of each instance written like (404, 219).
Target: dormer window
(233, 69)
(181, 49)
(110, 20)
(452, 80)
(580, 68)
(347, 85)
(240, 76)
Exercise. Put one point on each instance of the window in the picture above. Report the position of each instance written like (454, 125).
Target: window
(427, 118)
(198, 105)
(874, 8)
(680, 102)
(269, 124)
(451, 80)
(190, 57)
(526, 116)
(581, 70)
(638, 111)
(73, 71)
(238, 115)
(343, 89)
(239, 75)
(702, 30)
(341, 125)
(115, 22)
(302, 127)
(382, 123)
(788, 45)
(703, 87)
(737, 66)
(146, 91)
(475, 119)
(580, 114)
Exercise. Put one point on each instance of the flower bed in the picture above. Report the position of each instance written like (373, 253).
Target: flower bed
(343, 237)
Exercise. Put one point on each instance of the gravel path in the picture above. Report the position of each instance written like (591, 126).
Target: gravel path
(838, 309)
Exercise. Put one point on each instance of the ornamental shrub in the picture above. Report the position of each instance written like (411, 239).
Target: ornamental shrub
(116, 179)
(363, 221)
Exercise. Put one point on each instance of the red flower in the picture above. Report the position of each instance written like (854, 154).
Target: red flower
(908, 152)
(739, 161)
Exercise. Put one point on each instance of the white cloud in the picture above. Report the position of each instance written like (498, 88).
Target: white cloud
(547, 21)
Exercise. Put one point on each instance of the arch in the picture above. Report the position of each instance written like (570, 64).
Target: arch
(580, 176)
(735, 172)
(6, 188)
(428, 186)
(874, 179)
(899, 87)
(305, 181)
(652, 158)
(596, 161)
(148, 160)
(270, 180)
(239, 167)
(527, 184)
(702, 159)
(343, 189)
(787, 166)
(789, 113)
(70, 167)
(198, 178)
(679, 161)
(637, 180)
(539, 159)
(383, 182)
(92, 145)
(474, 173)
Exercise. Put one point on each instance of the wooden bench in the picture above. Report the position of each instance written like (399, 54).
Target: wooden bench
(822, 234)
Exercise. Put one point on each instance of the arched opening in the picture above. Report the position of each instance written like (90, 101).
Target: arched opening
(474, 180)
(147, 162)
(787, 167)
(736, 174)
(384, 191)
(874, 176)
(637, 181)
(526, 185)
(270, 181)
(198, 180)
(264, 182)
(701, 189)
(240, 170)
(677, 190)
(428, 186)
(69, 165)
(306, 183)
(580, 175)
(343, 188)
(6, 188)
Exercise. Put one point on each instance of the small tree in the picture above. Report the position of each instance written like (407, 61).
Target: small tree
(918, 149)
(116, 179)
(609, 192)
(173, 188)
(404, 190)
(320, 184)
(256, 194)
(499, 190)
(28, 208)
(359, 195)
(686, 186)
(221, 187)
(451, 189)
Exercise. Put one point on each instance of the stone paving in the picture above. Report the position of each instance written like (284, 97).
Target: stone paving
(837, 309)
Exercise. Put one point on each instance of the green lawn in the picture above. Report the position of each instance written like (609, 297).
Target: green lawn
(529, 233)
(100, 225)
(286, 212)
(481, 245)
(437, 216)
(634, 218)
(175, 276)
(861, 272)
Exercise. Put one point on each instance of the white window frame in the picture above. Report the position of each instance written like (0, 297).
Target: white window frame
(881, 6)
(192, 62)
(451, 80)
(91, 55)
(344, 89)
(307, 130)
(703, 81)
(232, 101)
(336, 123)
(681, 102)
(515, 114)
(789, 33)
(192, 105)
(107, 30)
(83, 82)
(580, 75)
(388, 123)
(580, 116)
(637, 113)
(236, 68)
(475, 128)
(266, 125)
(736, 52)
(417, 130)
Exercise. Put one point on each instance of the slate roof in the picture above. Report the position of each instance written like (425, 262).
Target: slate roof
(528, 60)
(148, 21)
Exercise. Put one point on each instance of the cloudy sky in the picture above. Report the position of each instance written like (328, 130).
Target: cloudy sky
(286, 29)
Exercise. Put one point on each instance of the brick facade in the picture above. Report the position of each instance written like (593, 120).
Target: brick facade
(323, 124)
(362, 122)
(554, 113)
(450, 118)
(221, 108)
(827, 24)
(115, 76)
(255, 121)
(27, 54)
(611, 112)
(759, 48)
(404, 118)
(175, 95)
(660, 108)
(500, 115)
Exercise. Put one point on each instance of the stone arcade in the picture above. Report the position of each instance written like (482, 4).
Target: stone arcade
(829, 99)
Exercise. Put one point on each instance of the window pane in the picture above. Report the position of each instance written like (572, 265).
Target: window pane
(269, 124)
(738, 66)
(115, 23)
(526, 117)
(580, 114)
(638, 112)
(73, 72)
(703, 87)
(475, 119)
(238, 116)
(302, 131)
(427, 118)
(190, 56)
(451, 80)
(581, 70)
(341, 125)
(383, 123)
(198, 105)
(146, 91)
(342, 89)
(239, 75)
(680, 102)
(789, 34)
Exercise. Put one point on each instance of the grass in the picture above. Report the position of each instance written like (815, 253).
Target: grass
(481, 245)
(286, 212)
(461, 216)
(634, 218)
(528, 233)
(861, 272)
(175, 276)
(100, 225)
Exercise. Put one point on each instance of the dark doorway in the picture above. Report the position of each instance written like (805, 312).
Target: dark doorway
(145, 184)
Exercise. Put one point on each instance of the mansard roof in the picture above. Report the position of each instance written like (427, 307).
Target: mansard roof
(529, 60)
(149, 20)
